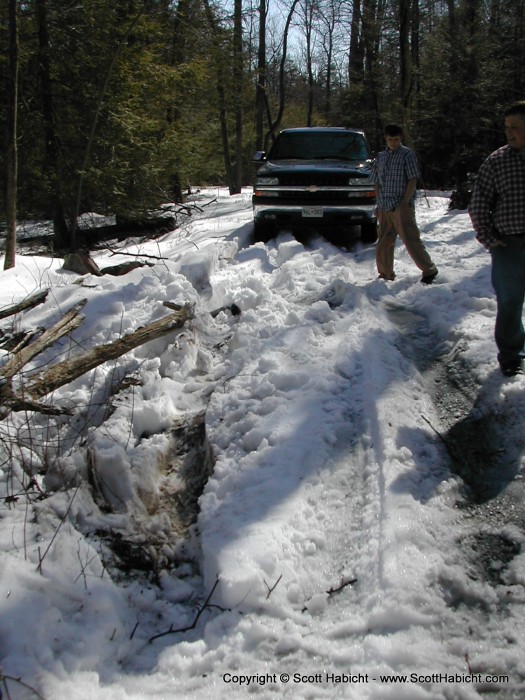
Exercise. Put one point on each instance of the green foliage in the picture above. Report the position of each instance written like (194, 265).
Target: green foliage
(153, 121)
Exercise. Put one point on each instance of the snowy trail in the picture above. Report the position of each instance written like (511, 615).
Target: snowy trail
(346, 544)
(393, 556)
(377, 547)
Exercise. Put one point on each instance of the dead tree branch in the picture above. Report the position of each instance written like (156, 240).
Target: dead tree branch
(272, 589)
(341, 586)
(66, 324)
(193, 624)
(61, 373)
(25, 304)
(64, 372)
(3, 683)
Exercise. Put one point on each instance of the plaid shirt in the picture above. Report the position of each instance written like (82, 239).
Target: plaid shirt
(497, 206)
(391, 171)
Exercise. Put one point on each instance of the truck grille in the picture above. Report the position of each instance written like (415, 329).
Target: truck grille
(316, 178)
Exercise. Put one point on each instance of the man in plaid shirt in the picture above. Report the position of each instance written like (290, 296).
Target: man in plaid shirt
(497, 211)
(395, 174)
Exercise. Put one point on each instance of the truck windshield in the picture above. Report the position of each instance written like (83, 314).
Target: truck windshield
(305, 146)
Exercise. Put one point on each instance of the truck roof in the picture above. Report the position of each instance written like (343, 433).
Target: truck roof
(321, 129)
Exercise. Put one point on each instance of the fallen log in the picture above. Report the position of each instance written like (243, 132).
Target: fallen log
(71, 320)
(14, 342)
(27, 303)
(64, 372)
(15, 403)
(11, 402)
(123, 268)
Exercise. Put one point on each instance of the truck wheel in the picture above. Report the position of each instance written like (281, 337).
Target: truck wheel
(263, 231)
(369, 232)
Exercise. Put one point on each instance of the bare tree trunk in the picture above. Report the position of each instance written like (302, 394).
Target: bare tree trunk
(89, 145)
(372, 21)
(405, 61)
(356, 58)
(329, 19)
(221, 96)
(451, 16)
(238, 87)
(519, 43)
(415, 45)
(260, 91)
(51, 166)
(12, 153)
(274, 126)
(308, 9)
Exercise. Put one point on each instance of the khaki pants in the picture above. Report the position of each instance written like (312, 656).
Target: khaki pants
(400, 222)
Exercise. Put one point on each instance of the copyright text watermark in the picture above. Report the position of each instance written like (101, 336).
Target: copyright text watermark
(327, 678)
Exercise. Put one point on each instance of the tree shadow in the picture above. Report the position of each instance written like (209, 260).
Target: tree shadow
(484, 447)
(485, 453)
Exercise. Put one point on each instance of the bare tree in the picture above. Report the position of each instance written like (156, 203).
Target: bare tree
(260, 90)
(308, 12)
(329, 16)
(405, 63)
(238, 81)
(373, 13)
(51, 163)
(356, 70)
(12, 153)
(274, 124)
(89, 145)
(220, 85)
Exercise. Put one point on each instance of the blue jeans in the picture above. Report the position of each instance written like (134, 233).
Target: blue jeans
(508, 280)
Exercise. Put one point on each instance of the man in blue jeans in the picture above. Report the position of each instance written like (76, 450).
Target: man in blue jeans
(497, 211)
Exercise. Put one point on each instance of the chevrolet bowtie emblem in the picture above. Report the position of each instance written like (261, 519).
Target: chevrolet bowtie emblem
(312, 188)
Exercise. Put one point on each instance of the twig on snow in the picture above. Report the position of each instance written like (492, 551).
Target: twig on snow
(447, 444)
(272, 589)
(343, 584)
(193, 624)
(3, 684)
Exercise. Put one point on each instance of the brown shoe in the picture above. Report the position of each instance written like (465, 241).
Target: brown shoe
(428, 279)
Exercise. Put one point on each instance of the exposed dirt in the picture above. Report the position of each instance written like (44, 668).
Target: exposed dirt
(474, 429)
(183, 472)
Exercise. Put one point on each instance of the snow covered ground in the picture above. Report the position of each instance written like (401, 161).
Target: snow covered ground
(341, 550)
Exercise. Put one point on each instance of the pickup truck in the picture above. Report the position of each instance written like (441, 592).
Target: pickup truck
(315, 177)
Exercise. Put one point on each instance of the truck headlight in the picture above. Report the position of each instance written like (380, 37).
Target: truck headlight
(361, 181)
(266, 181)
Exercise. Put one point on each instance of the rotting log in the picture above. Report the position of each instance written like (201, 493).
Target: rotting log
(64, 372)
(71, 320)
(14, 342)
(27, 303)
(124, 268)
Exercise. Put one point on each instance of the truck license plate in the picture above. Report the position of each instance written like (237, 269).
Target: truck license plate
(313, 212)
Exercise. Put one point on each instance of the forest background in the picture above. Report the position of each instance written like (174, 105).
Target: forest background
(119, 107)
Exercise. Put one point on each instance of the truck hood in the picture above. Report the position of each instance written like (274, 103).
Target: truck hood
(351, 168)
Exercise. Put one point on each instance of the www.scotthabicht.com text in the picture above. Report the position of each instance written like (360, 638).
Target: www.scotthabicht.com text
(357, 678)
